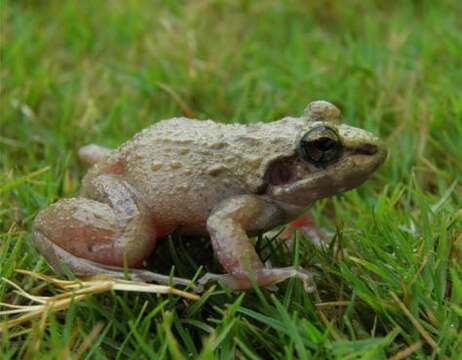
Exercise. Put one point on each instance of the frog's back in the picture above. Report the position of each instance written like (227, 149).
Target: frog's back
(187, 166)
(188, 148)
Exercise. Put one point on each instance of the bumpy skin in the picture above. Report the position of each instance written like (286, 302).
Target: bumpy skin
(197, 177)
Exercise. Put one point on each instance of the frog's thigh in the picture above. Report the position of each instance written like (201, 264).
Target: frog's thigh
(115, 232)
(60, 259)
(228, 226)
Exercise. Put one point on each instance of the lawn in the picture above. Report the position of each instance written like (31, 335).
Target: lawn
(76, 72)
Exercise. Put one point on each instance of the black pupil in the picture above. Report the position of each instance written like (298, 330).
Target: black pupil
(325, 144)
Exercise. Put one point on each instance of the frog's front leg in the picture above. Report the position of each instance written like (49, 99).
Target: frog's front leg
(108, 230)
(228, 226)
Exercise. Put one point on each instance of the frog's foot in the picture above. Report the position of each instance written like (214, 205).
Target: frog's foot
(63, 261)
(263, 277)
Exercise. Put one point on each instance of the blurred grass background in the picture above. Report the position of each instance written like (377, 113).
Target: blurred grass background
(75, 72)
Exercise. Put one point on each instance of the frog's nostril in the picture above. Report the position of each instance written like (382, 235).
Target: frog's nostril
(366, 149)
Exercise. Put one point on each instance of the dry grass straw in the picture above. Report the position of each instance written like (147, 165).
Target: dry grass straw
(72, 291)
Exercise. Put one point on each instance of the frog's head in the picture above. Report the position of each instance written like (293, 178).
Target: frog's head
(330, 158)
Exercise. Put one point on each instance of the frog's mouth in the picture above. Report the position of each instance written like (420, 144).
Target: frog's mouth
(297, 181)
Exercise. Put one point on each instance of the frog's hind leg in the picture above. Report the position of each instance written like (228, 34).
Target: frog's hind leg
(62, 260)
(101, 236)
(91, 154)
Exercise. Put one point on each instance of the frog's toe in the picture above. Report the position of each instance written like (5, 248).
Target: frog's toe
(224, 279)
(306, 277)
(149, 276)
(308, 283)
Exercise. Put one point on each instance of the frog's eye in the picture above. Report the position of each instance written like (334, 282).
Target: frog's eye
(320, 146)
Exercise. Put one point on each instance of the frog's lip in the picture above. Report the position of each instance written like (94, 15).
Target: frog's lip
(375, 154)
(352, 169)
(365, 149)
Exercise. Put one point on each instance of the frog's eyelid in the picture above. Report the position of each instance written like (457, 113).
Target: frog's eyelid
(322, 110)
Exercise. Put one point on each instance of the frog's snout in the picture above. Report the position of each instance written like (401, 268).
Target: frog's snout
(367, 149)
(379, 150)
(382, 151)
(376, 149)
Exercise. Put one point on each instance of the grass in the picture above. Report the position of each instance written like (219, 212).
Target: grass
(74, 72)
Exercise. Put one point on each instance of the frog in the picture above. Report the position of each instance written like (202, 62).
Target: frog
(230, 182)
